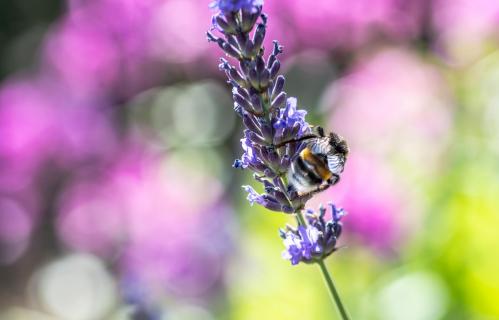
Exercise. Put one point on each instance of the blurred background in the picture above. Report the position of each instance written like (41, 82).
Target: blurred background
(117, 136)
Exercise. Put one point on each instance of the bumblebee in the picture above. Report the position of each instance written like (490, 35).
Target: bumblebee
(319, 165)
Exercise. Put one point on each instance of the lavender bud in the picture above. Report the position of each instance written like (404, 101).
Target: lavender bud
(287, 209)
(322, 211)
(260, 167)
(268, 186)
(256, 138)
(238, 164)
(248, 48)
(232, 41)
(242, 92)
(264, 18)
(211, 37)
(294, 131)
(239, 99)
(260, 65)
(238, 109)
(270, 156)
(269, 173)
(266, 130)
(271, 60)
(224, 25)
(250, 124)
(234, 74)
(285, 134)
(272, 205)
(278, 136)
(259, 36)
(278, 86)
(264, 78)
(282, 233)
(256, 103)
(245, 66)
(277, 48)
(281, 197)
(280, 101)
(230, 50)
(241, 39)
(231, 20)
(285, 162)
(253, 77)
(291, 228)
(248, 20)
(275, 69)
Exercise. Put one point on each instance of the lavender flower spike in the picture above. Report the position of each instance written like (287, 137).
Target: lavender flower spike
(275, 133)
(268, 114)
(317, 240)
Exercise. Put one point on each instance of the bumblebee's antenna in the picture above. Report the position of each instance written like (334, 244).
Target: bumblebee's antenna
(320, 131)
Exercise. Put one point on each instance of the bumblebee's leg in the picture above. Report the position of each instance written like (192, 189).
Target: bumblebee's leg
(319, 189)
(330, 182)
(319, 133)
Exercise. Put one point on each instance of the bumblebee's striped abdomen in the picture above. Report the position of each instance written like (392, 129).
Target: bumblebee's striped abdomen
(319, 167)
(308, 171)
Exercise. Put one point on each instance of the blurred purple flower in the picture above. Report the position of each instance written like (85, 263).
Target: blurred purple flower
(464, 27)
(394, 91)
(143, 210)
(396, 109)
(15, 230)
(336, 24)
(84, 77)
(376, 207)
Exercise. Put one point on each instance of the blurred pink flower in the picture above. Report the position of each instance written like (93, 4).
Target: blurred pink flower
(15, 230)
(177, 32)
(39, 122)
(165, 224)
(27, 118)
(464, 26)
(100, 47)
(394, 111)
(396, 107)
(331, 24)
(374, 201)
(85, 58)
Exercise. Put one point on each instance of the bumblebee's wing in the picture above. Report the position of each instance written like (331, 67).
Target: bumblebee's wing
(335, 163)
(319, 146)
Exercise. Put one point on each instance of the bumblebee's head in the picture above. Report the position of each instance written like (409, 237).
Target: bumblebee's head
(338, 143)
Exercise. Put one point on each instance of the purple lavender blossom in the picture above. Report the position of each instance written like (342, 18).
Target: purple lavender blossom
(226, 6)
(315, 241)
(274, 124)
(270, 117)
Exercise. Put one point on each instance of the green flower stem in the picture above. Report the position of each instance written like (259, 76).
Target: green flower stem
(300, 218)
(332, 291)
(327, 277)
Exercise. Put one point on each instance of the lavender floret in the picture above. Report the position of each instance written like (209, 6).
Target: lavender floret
(227, 6)
(315, 241)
